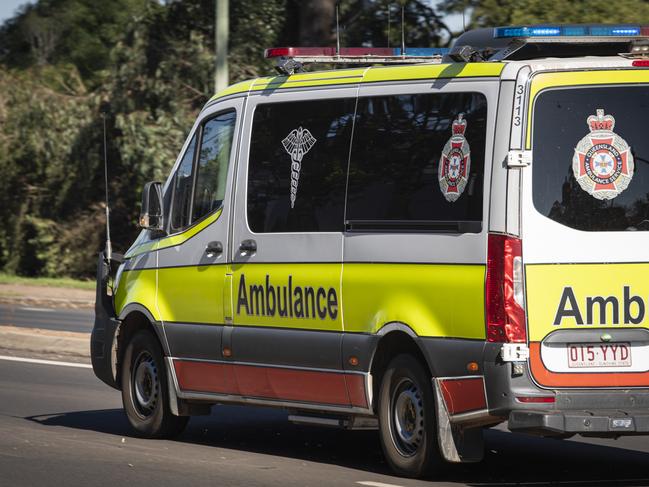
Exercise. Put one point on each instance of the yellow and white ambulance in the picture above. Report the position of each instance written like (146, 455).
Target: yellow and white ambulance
(426, 243)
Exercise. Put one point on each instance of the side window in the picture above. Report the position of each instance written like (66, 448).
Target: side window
(297, 165)
(213, 163)
(182, 189)
(417, 162)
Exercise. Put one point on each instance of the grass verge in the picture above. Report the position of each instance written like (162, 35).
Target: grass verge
(46, 281)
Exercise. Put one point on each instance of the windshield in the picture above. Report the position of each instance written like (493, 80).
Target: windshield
(591, 157)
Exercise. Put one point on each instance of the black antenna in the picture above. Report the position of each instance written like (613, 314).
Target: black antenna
(403, 30)
(389, 24)
(463, 13)
(108, 251)
(337, 32)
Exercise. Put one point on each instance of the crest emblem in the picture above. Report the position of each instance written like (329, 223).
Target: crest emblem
(455, 162)
(297, 144)
(603, 163)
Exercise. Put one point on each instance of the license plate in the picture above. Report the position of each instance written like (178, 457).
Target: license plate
(584, 355)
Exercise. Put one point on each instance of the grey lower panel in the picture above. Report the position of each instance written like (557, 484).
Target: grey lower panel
(362, 347)
(602, 423)
(282, 346)
(448, 357)
(197, 341)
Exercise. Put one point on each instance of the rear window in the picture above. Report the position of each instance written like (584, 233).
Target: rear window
(591, 156)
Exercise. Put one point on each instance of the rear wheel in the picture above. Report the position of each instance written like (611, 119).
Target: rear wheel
(144, 389)
(407, 421)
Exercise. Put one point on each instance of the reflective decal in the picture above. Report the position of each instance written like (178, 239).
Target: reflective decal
(603, 163)
(455, 162)
(297, 144)
(286, 300)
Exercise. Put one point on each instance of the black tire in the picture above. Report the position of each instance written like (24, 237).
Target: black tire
(407, 419)
(144, 389)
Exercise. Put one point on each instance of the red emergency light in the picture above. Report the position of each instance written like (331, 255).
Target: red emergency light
(350, 52)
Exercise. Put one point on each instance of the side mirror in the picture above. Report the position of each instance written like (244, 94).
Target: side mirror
(151, 217)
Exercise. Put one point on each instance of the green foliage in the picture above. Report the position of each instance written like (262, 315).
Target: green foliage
(491, 13)
(153, 71)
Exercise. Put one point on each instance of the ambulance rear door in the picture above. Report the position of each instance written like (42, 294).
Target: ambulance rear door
(585, 229)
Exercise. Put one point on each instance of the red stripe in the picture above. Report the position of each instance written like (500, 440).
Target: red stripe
(205, 377)
(356, 389)
(566, 379)
(271, 383)
(463, 395)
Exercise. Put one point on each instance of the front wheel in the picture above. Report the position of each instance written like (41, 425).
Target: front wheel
(407, 421)
(144, 389)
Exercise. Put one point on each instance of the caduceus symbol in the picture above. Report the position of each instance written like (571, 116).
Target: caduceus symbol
(297, 144)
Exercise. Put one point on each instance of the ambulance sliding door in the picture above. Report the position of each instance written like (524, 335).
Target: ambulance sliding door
(287, 247)
(415, 241)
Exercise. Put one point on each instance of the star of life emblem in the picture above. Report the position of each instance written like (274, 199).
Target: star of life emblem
(603, 163)
(297, 144)
(455, 162)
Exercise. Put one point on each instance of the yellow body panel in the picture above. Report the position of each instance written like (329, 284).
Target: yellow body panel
(137, 287)
(365, 75)
(559, 293)
(192, 294)
(175, 239)
(433, 299)
(543, 81)
(432, 71)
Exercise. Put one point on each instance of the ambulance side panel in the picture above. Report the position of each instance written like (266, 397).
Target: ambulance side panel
(427, 283)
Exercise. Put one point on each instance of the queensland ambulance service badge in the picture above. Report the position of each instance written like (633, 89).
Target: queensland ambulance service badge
(603, 163)
(455, 162)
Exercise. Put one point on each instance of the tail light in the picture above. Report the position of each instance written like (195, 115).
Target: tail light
(505, 299)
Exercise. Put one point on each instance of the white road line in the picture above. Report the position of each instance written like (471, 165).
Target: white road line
(45, 362)
(369, 483)
(42, 310)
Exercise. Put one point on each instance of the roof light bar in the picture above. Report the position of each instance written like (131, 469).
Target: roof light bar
(292, 59)
(593, 30)
(351, 52)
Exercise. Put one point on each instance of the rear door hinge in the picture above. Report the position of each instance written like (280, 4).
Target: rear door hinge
(519, 158)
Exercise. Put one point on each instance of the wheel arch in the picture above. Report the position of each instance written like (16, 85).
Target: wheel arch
(133, 318)
(394, 338)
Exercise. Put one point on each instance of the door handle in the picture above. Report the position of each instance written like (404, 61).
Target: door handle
(214, 248)
(248, 246)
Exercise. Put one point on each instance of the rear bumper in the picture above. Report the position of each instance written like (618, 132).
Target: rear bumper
(105, 328)
(596, 423)
(587, 411)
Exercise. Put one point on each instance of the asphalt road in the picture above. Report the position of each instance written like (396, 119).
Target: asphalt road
(61, 426)
(79, 320)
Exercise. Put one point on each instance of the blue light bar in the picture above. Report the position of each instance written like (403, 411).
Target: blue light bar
(422, 51)
(595, 30)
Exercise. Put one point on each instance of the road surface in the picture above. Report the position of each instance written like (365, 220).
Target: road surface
(78, 320)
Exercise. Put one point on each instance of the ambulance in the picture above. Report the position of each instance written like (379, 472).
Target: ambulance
(428, 243)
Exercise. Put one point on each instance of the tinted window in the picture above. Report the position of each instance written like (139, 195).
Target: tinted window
(182, 192)
(394, 173)
(588, 193)
(297, 165)
(213, 162)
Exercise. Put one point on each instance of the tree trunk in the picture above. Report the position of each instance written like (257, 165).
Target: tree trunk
(317, 22)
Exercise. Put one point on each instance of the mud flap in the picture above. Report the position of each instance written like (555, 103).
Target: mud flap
(457, 444)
